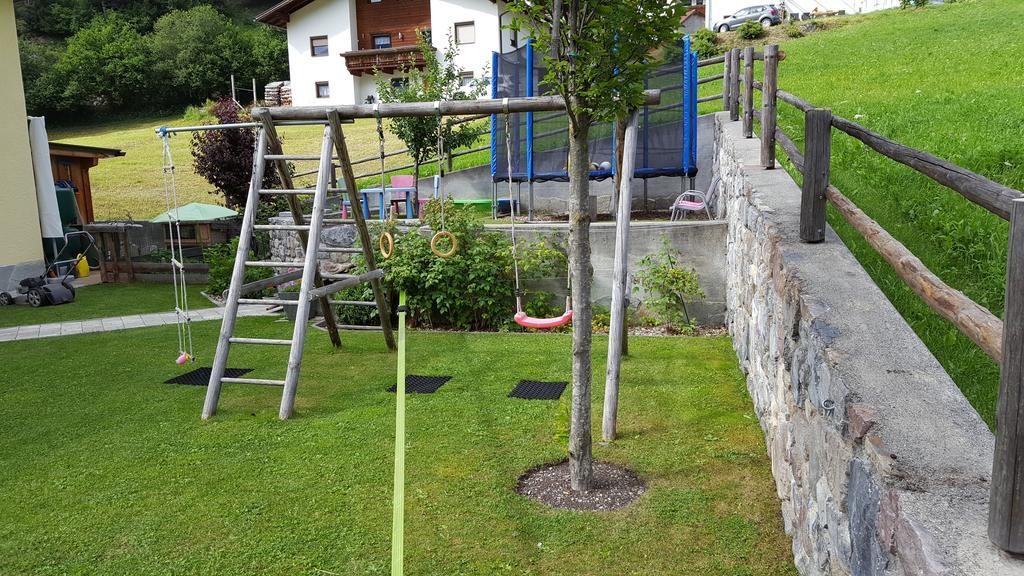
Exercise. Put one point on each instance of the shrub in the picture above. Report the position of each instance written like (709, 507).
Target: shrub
(221, 260)
(751, 30)
(668, 286)
(793, 31)
(705, 43)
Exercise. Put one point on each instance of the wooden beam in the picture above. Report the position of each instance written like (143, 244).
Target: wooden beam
(616, 329)
(734, 81)
(1006, 501)
(769, 112)
(341, 149)
(284, 173)
(727, 83)
(427, 109)
(990, 195)
(748, 92)
(818, 143)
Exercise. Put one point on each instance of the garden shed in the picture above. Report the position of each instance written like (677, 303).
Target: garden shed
(71, 163)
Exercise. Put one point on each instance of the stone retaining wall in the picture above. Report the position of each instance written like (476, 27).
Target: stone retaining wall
(881, 464)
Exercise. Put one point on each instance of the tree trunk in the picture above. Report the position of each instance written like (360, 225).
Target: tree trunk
(580, 271)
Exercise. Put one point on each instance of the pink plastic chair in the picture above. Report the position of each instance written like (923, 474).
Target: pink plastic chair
(693, 201)
(403, 181)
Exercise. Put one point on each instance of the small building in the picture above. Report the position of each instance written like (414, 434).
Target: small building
(201, 224)
(693, 20)
(336, 46)
(71, 163)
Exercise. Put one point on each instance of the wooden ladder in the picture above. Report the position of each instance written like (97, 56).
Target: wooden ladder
(269, 149)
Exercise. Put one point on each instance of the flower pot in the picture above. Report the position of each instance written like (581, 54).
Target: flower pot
(290, 310)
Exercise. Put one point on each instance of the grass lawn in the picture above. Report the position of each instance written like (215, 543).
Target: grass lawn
(113, 472)
(101, 301)
(939, 79)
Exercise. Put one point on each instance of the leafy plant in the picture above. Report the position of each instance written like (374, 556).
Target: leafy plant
(221, 260)
(793, 31)
(668, 286)
(705, 43)
(751, 30)
(224, 157)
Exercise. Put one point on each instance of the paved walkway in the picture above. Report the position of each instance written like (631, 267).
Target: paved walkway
(31, 332)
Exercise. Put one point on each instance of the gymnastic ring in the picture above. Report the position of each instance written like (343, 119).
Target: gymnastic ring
(450, 237)
(387, 245)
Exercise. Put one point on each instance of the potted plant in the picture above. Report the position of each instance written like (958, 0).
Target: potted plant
(291, 292)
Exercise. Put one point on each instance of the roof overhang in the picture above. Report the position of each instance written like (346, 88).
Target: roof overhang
(277, 15)
(79, 151)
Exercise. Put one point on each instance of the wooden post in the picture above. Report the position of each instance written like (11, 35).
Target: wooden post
(255, 101)
(1006, 502)
(748, 92)
(818, 149)
(769, 118)
(620, 271)
(726, 82)
(734, 84)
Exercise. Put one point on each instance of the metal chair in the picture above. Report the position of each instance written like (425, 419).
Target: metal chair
(694, 201)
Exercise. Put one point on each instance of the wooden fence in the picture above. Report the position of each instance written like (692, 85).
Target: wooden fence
(1002, 340)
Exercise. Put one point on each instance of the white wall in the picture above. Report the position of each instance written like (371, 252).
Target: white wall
(718, 9)
(474, 57)
(336, 20)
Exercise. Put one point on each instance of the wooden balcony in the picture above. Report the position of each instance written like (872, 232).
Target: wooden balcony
(386, 60)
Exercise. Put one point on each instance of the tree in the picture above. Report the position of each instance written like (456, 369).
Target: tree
(597, 53)
(105, 64)
(439, 80)
(189, 47)
(224, 157)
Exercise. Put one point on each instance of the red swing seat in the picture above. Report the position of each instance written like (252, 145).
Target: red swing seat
(543, 323)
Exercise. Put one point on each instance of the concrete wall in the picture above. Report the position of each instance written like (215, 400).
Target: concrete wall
(880, 463)
(21, 249)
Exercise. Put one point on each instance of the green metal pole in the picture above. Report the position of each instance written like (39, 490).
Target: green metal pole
(398, 505)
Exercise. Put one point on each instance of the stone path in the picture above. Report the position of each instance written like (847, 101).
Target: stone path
(33, 331)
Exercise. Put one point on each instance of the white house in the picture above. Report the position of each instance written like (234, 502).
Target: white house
(717, 10)
(334, 46)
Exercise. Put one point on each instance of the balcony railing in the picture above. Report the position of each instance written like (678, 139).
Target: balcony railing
(387, 60)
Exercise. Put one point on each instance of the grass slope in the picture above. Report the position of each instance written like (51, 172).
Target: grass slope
(102, 301)
(945, 79)
(115, 473)
(133, 185)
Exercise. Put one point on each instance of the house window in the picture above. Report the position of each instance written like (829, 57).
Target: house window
(465, 33)
(374, 1)
(323, 90)
(318, 46)
(466, 79)
(381, 41)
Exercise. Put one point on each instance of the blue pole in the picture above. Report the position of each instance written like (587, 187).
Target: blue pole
(686, 104)
(494, 117)
(529, 115)
(693, 110)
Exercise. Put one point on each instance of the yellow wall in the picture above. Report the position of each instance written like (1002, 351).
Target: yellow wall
(19, 217)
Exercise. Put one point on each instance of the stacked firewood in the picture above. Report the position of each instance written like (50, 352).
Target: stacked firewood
(278, 93)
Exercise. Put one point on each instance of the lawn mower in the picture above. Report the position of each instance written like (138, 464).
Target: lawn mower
(47, 290)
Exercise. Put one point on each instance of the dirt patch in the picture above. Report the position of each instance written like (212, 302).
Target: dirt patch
(614, 487)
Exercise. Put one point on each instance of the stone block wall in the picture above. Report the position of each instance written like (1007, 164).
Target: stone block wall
(880, 463)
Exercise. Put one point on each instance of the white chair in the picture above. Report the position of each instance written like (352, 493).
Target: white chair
(693, 201)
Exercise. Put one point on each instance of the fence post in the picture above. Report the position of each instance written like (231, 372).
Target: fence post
(768, 110)
(1006, 501)
(817, 152)
(748, 92)
(726, 81)
(734, 85)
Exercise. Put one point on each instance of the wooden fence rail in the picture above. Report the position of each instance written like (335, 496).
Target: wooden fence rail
(1001, 340)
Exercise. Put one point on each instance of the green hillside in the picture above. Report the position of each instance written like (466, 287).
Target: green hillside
(946, 79)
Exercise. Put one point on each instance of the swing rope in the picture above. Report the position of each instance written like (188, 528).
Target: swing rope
(183, 317)
(521, 317)
(453, 243)
(386, 243)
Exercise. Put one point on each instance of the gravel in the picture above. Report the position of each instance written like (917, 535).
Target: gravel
(614, 487)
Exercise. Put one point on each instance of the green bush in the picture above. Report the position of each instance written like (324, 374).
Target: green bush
(668, 286)
(751, 30)
(793, 31)
(705, 43)
(221, 260)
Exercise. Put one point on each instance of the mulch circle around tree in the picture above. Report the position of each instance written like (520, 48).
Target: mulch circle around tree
(614, 487)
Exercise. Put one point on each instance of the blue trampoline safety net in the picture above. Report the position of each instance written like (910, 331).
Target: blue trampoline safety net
(539, 142)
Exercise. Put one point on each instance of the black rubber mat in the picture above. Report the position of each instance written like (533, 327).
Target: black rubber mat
(533, 390)
(201, 376)
(421, 384)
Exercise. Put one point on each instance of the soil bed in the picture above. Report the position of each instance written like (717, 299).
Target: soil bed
(614, 487)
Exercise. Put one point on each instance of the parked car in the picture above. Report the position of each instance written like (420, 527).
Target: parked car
(766, 14)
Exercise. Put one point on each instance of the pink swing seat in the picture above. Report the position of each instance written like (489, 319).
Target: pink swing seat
(543, 323)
